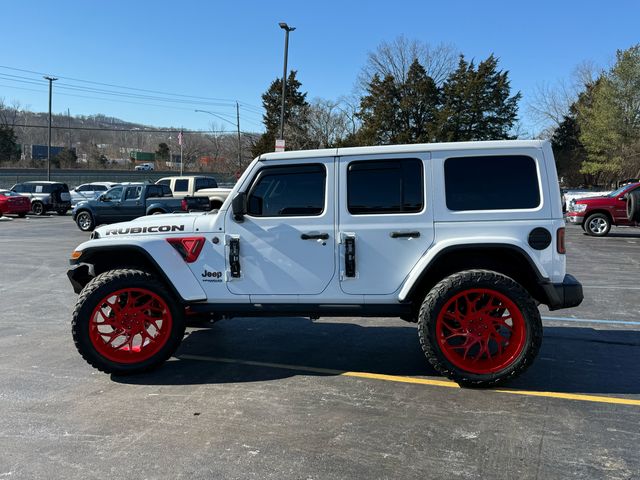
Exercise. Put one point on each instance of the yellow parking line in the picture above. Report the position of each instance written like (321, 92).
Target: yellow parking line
(420, 381)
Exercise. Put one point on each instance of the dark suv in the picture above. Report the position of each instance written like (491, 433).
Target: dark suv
(45, 196)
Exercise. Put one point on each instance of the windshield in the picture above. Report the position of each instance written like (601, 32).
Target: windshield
(617, 192)
(9, 193)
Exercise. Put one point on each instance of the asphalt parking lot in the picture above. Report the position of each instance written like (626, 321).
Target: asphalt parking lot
(333, 398)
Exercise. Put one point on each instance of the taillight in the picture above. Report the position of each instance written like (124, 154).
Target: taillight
(560, 241)
(183, 204)
(188, 247)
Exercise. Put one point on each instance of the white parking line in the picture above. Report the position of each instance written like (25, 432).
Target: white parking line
(591, 320)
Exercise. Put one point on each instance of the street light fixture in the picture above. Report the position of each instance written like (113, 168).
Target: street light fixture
(287, 29)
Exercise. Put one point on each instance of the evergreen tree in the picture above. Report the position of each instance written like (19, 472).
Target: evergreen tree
(295, 113)
(162, 153)
(404, 112)
(476, 103)
(9, 148)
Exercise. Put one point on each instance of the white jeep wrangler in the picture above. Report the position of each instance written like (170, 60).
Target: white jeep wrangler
(463, 238)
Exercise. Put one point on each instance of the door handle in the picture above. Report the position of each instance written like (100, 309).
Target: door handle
(350, 257)
(314, 236)
(234, 257)
(405, 234)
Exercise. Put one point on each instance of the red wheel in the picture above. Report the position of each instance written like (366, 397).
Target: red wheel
(130, 325)
(125, 321)
(479, 328)
(480, 331)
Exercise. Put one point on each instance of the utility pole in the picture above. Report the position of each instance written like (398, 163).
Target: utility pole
(51, 80)
(239, 141)
(69, 129)
(181, 141)
(287, 29)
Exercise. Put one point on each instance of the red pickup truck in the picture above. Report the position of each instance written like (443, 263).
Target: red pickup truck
(597, 214)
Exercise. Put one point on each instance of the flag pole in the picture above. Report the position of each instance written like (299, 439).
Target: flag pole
(181, 162)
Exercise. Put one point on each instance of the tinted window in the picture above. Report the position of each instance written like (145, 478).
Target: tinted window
(395, 186)
(166, 191)
(83, 188)
(154, 191)
(166, 182)
(114, 194)
(98, 188)
(181, 185)
(133, 193)
(281, 191)
(18, 188)
(205, 183)
(491, 183)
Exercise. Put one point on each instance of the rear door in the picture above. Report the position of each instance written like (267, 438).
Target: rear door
(132, 205)
(385, 220)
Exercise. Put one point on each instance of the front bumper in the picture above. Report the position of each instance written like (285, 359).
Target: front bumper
(563, 295)
(574, 218)
(79, 275)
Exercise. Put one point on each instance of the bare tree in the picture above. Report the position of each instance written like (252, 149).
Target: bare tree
(328, 124)
(395, 57)
(550, 103)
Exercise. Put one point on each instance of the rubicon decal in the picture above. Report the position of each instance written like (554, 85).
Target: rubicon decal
(152, 229)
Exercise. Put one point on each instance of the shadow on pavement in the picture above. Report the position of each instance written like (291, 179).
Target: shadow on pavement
(572, 359)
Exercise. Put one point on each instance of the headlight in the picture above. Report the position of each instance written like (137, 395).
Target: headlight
(579, 207)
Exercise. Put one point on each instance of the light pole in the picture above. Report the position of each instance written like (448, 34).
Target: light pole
(237, 125)
(286, 29)
(51, 80)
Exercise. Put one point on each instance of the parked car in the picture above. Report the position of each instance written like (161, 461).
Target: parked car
(45, 196)
(13, 203)
(90, 191)
(127, 202)
(596, 215)
(197, 186)
(145, 167)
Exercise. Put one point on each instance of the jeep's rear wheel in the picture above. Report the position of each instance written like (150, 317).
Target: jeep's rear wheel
(597, 225)
(479, 328)
(126, 322)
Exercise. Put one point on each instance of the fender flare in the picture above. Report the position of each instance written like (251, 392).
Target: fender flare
(423, 266)
(161, 256)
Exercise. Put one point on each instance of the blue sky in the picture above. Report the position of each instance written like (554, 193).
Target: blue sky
(233, 50)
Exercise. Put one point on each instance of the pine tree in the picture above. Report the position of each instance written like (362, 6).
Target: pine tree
(296, 108)
(477, 104)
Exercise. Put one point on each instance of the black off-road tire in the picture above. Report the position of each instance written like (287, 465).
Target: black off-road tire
(597, 225)
(447, 288)
(37, 208)
(95, 291)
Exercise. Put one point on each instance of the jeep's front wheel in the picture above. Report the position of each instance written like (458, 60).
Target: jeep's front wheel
(479, 328)
(126, 322)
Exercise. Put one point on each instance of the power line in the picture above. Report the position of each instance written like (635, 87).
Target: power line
(136, 130)
(132, 88)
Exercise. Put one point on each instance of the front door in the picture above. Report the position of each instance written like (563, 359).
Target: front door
(385, 220)
(287, 238)
(109, 204)
(132, 205)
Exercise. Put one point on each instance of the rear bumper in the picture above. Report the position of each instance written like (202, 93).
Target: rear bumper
(563, 295)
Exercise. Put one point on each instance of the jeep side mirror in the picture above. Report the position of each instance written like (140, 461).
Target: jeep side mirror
(102, 198)
(239, 206)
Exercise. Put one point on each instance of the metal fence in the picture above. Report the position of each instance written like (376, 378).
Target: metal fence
(73, 178)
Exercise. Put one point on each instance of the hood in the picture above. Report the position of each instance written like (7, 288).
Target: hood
(150, 225)
(599, 200)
